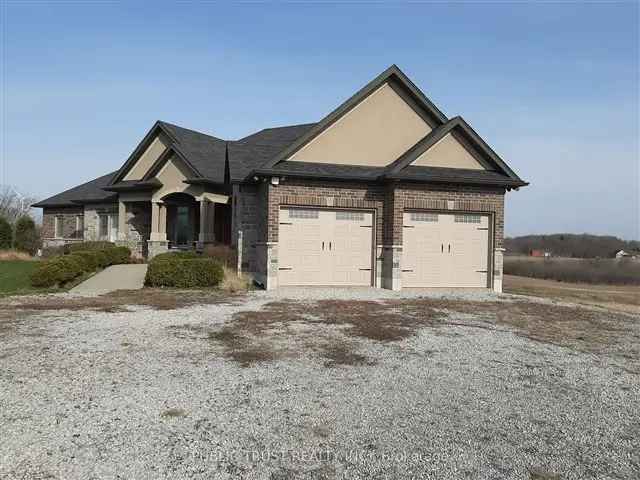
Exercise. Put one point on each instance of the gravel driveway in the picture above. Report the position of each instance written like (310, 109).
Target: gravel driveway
(304, 384)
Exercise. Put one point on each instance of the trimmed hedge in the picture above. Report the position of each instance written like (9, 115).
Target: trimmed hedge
(84, 246)
(61, 269)
(173, 256)
(183, 270)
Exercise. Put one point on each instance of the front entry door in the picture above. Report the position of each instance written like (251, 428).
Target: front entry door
(183, 231)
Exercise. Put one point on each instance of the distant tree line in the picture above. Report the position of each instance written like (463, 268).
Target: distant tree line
(17, 228)
(571, 245)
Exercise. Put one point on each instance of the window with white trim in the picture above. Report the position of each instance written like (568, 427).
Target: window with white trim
(466, 218)
(58, 230)
(350, 215)
(303, 213)
(424, 217)
(79, 233)
(103, 226)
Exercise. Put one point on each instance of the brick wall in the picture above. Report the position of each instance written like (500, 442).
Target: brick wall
(324, 194)
(388, 201)
(68, 215)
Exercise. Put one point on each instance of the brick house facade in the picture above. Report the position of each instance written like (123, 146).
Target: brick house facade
(387, 156)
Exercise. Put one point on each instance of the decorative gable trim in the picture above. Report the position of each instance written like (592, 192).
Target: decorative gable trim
(398, 81)
(142, 146)
(469, 139)
(162, 160)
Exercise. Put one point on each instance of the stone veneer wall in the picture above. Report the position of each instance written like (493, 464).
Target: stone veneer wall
(91, 212)
(138, 228)
(70, 234)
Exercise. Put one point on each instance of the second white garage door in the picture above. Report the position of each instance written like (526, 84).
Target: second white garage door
(445, 250)
(325, 247)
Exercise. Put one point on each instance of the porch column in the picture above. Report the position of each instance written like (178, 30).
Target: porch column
(206, 234)
(157, 229)
(122, 220)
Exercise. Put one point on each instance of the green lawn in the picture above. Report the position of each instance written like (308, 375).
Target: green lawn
(14, 276)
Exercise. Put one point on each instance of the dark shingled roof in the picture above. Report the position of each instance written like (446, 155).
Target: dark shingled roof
(454, 175)
(205, 153)
(87, 192)
(218, 161)
(255, 150)
(324, 171)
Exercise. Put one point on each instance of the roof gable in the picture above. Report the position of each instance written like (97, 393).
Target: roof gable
(461, 131)
(375, 132)
(395, 80)
(450, 152)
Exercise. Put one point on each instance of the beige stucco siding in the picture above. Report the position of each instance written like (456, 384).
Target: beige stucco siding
(172, 176)
(375, 132)
(448, 152)
(148, 157)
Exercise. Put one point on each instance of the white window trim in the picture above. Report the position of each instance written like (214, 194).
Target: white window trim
(58, 224)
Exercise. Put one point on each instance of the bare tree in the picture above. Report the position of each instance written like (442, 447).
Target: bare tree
(13, 204)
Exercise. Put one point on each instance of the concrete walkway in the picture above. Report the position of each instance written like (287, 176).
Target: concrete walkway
(116, 277)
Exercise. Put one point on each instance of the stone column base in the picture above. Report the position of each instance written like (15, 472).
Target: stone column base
(156, 247)
(391, 267)
(267, 275)
(135, 246)
(498, 261)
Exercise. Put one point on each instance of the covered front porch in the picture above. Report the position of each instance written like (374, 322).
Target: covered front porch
(175, 221)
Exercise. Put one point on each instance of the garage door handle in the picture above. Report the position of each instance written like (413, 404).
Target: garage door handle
(365, 269)
(442, 248)
(449, 248)
(329, 245)
(286, 223)
(407, 270)
(322, 245)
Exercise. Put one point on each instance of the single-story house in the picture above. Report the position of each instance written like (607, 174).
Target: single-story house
(384, 191)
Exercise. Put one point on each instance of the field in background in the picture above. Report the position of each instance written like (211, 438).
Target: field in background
(623, 298)
(575, 270)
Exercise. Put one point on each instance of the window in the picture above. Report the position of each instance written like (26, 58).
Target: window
(467, 218)
(345, 215)
(58, 226)
(302, 213)
(424, 217)
(79, 233)
(103, 227)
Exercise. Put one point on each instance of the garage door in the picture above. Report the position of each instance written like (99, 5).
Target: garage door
(325, 247)
(445, 250)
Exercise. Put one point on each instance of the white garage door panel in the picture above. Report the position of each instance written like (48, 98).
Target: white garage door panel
(325, 247)
(445, 250)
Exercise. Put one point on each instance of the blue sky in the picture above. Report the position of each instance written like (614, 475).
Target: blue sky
(552, 87)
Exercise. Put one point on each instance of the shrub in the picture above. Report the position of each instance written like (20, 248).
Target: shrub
(84, 246)
(176, 256)
(48, 252)
(183, 271)
(26, 237)
(6, 234)
(61, 269)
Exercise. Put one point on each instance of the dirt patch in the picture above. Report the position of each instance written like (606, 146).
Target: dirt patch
(118, 301)
(584, 329)
(343, 353)
(332, 328)
(173, 413)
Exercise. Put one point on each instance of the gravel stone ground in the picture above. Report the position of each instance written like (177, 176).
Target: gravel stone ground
(148, 394)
